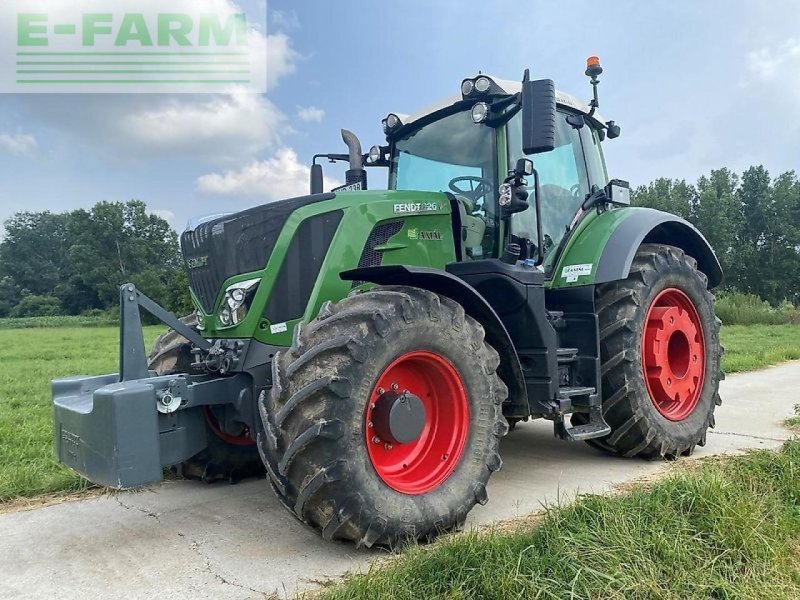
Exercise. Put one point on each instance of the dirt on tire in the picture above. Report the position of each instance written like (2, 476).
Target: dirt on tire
(313, 441)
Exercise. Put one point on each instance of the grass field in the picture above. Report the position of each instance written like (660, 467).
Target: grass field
(718, 528)
(30, 358)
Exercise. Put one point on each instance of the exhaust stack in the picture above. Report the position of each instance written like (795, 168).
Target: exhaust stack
(356, 175)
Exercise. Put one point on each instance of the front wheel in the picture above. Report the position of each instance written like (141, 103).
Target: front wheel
(661, 352)
(384, 419)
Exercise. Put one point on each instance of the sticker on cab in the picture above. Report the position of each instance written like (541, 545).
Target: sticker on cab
(571, 272)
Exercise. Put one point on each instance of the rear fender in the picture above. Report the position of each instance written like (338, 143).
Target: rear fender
(603, 248)
(441, 282)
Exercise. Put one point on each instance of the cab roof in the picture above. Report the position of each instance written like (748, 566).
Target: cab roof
(510, 87)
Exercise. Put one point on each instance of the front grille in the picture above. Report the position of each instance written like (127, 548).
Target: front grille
(234, 244)
(378, 236)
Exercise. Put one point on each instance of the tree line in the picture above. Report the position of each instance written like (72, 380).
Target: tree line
(74, 262)
(752, 222)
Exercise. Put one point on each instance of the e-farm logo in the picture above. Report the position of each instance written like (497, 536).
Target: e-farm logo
(134, 46)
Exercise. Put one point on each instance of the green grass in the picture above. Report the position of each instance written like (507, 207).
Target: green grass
(30, 358)
(757, 346)
(794, 422)
(727, 528)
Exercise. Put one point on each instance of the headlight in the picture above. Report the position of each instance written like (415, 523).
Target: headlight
(482, 84)
(466, 87)
(479, 112)
(201, 319)
(375, 154)
(391, 122)
(238, 298)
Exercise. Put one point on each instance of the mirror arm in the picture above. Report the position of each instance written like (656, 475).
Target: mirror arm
(538, 208)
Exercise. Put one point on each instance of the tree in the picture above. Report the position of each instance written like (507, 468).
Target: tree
(82, 257)
(33, 251)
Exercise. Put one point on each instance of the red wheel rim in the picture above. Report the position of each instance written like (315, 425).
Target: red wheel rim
(422, 465)
(243, 439)
(673, 354)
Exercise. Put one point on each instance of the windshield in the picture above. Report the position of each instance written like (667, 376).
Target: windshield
(453, 155)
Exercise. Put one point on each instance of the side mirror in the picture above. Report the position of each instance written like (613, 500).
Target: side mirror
(538, 115)
(317, 185)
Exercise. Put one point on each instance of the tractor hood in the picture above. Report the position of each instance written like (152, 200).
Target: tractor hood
(287, 241)
(217, 249)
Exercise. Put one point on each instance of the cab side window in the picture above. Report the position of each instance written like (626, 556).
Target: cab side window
(563, 182)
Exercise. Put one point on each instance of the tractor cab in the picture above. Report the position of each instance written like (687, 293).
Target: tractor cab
(474, 147)
(468, 145)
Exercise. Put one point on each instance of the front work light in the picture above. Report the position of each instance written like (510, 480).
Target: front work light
(479, 112)
(237, 301)
(482, 84)
(390, 123)
(375, 154)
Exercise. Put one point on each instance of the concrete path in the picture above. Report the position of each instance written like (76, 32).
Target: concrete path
(190, 540)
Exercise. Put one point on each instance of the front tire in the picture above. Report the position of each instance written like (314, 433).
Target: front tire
(660, 352)
(324, 440)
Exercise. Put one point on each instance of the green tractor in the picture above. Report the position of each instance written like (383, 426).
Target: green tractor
(369, 349)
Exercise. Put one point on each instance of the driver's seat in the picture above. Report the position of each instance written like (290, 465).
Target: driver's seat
(472, 228)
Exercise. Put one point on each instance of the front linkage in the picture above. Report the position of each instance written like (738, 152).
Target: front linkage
(121, 430)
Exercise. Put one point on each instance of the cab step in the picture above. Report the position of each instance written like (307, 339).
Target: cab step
(566, 355)
(587, 399)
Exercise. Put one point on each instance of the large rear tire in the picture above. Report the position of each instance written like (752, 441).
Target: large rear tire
(660, 351)
(332, 455)
(229, 456)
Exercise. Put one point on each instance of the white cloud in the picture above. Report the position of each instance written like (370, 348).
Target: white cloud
(224, 127)
(767, 62)
(278, 177)
(281, 57)
(310, 114)
(20, 144)
(165, 214)
(284, 19)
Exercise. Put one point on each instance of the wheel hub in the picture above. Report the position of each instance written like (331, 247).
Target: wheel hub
(673, 354)
(398, 418)
(416, 422)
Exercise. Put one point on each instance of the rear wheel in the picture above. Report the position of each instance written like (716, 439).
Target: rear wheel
(230, 455)
(384, 419)
(660, 350)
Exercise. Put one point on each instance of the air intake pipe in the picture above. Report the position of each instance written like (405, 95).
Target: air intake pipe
(356, 175)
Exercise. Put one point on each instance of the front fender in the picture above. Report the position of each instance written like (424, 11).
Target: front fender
(604, 245)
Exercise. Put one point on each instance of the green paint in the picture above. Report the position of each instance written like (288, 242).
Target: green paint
(585, 245)
(362, 211)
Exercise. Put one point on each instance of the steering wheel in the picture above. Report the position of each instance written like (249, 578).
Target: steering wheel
(479, 187)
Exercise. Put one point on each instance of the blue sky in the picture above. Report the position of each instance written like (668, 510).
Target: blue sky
(695, 86)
